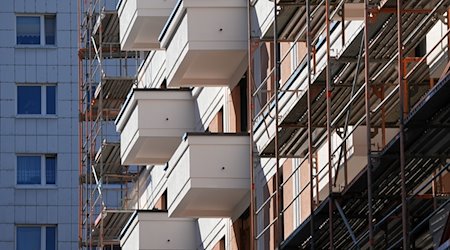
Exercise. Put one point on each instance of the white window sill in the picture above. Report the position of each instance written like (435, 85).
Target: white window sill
(36, 116)
(35, 186)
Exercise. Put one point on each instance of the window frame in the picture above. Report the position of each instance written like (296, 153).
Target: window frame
(43, 229)
(43, 167)
(42, 31)
(44, 100)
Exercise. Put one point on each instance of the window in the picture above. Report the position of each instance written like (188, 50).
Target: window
(36, 169)
(36, 99)
(36, 30)
(36, 237)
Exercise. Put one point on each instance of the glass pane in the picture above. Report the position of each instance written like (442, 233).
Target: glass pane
(50, 169)
(50, 238)
(51, 100)
(29, 99)
(28, 30)
(28, 170)
(28, 238)
(50, 29)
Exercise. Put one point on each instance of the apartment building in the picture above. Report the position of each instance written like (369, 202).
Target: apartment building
(247, 125)
(38, 125)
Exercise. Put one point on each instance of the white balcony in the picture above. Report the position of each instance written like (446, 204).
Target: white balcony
(141, 22)
(206, 43)
(151, 125)
(352, 12)
(356, 156)
(153, 230)
(209, 175)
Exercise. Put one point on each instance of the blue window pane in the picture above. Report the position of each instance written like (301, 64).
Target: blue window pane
(51, 100)
(50, 169)
(28, 30)
(28, 99)
(28, 170)
(50, 29)
(50, 238)
(28, 238)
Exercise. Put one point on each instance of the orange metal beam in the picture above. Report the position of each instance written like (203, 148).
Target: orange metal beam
(82, 51)
(411, 59)
(424, 196)
(106, 113)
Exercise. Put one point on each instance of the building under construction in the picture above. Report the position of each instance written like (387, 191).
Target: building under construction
(261, 124)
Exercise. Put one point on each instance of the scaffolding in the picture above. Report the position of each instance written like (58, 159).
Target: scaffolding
(106, 75)
(363, 73)
(377, 79)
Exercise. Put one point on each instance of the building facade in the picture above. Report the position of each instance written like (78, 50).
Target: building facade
(39, 125)
(248, 125)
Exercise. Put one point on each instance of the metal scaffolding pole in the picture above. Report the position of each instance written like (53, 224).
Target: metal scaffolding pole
(329, 131)
(95, 34)
(310, 143)
(80, 131)
(368, 128)
(90, 126)
(278, 233)
(401, 82)
(379, 207)
(253, 242)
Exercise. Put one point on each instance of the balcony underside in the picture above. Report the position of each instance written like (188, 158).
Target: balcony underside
(141, 22)
(199, 68)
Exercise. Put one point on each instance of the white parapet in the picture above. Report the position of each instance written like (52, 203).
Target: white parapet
(351, 12)
(356, 148)
(151, 125)
(154, 230)
(206, 43)
(141, 22)
(209, 175)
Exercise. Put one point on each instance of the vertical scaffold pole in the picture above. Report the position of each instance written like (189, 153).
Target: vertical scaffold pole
(250, 123)
(368, 128)
(278, 233)
(401, 82)
(310, 143)
(328, 97)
